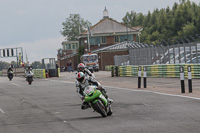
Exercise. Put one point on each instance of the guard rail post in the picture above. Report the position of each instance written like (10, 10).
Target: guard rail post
(189, 79)
(112, 71)
(116, 71)
(139, 77)
(182, 80)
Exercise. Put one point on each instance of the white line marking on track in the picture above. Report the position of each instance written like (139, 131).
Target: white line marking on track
(127, 89)
(160, 93)
(14, 84)
(62, 81)
(2, 111)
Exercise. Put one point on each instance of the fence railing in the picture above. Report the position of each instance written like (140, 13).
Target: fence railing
(177, 51)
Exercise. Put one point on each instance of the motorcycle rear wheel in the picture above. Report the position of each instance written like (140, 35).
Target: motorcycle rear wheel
(109, 111)
(29, 82)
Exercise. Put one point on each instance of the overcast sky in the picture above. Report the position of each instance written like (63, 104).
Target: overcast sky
(35, 25)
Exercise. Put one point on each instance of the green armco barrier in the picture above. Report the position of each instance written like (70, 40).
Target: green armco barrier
(1, 74)
(171, 70)
(134, 71)
(108, 68)
(129, 71)
(39, 73)
(161, 70)
(122, 70)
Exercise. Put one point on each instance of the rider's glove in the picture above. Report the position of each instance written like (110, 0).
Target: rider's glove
(99, 87)
(82, 98)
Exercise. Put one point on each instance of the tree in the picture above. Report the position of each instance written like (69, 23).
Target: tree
(80, 51)
(74, 26)
(14, 63)
(188, 29)
(3, 65)
(37, 65)
(182, 20)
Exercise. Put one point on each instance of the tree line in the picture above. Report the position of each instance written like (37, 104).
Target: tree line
(183, 19)
(5, 65)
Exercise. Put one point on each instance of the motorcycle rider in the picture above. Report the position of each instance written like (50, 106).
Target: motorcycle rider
(81, 68)
(9, 69)
(10, 72)
(28, 71)
(84, 81)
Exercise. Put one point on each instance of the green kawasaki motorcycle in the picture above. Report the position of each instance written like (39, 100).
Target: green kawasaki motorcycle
(97, 101)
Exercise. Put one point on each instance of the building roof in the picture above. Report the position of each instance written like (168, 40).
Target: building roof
(122, 46)
(119, 46)
(110, 26)
(67, 42)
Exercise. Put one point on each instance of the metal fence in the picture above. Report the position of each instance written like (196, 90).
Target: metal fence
(121, 60)
(181, 51)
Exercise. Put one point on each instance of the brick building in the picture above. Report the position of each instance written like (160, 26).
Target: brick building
(108, 32)
(101, 37)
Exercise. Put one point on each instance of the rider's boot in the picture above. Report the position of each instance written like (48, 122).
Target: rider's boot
(110, 100)
(106, 96)
(85, 105)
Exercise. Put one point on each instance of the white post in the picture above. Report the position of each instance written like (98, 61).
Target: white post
(189, 79)
(182, 79)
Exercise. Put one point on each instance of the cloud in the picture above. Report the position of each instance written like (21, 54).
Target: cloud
(37, 50)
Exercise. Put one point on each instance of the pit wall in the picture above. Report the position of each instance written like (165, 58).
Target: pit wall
(166, 70)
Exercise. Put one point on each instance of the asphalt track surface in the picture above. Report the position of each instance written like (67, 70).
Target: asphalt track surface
(53, 106)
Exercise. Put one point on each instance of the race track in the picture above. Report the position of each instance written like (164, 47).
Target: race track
(53, 106)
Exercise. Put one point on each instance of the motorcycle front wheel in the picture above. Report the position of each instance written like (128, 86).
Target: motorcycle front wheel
(100, 108)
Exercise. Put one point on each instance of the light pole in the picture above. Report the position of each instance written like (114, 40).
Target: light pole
(87, 45)
(88, 41)
(126, 33)
(126, 24)
(139, 36)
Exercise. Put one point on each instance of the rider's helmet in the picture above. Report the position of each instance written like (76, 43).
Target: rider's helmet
(81, 67)
(80, 76)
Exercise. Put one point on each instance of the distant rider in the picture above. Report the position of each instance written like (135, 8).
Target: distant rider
(9, 69)
(81, 68)
(84, 81)
(28, 71)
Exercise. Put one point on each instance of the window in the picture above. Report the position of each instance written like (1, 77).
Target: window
(69, 46)
(123, 38)
(95, 40)
(116, 38)
(73, 46)
(103, 39)
(60, 51)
